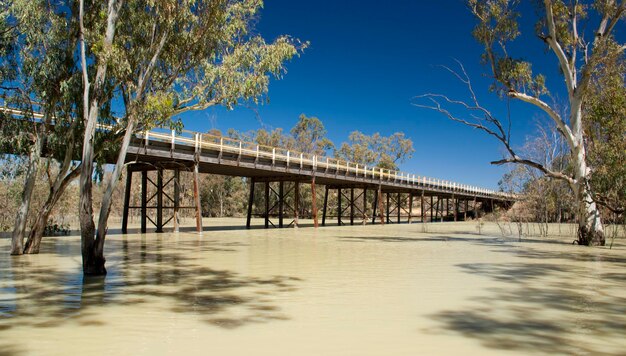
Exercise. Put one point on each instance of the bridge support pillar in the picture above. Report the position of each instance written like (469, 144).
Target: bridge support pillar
(380, 205)
(144, 201)
(196, 196)
(422, 207)
(351, 206)
(250, 202)
(314, 203)
(440, 210)
(275, 204)
(281, 196)
(325, 206)
(431, 208)
(410, 220)
(388, 210)
(176, 200)
(465, 211)
(296, 203)
(375, 205)
(267, 205)
(455, 207)
(129, 180)
(339, 209)
(164, 195)
(365, 206)
(399, 206)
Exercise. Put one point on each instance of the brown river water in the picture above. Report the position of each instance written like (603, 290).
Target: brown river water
(352, 290)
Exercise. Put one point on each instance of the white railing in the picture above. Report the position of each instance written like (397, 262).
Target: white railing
(275, 154)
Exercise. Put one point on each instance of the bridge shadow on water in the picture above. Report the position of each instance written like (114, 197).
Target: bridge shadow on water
(548, 297)
(156, 274)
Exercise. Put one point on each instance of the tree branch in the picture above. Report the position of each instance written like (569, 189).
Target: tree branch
(566, 67)
(540, 167)
(558, 120)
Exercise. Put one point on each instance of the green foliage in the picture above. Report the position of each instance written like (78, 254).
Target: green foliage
(309, 135)
(497, 26)
(606, 130)
(173, 56)
(376, 150)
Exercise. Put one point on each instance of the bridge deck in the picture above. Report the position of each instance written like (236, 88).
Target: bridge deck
(220, 155)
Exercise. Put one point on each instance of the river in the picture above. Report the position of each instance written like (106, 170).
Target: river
(352, 290)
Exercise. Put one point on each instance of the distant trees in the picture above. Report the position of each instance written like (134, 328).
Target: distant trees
(376, 150)
(580, 36)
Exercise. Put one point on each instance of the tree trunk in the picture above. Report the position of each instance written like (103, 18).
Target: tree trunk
(56, 191)
(105, 207)
(590, 229)
(17, 238)
(93, 259)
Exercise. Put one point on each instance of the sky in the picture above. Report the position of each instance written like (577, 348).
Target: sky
(366, 62)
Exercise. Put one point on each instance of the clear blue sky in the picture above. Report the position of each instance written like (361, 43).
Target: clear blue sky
(366, 62)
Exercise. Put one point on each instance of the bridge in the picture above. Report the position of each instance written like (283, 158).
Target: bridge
(281, 172)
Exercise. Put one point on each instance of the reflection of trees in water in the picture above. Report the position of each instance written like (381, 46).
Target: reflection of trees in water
(141, 271)
(548, 302)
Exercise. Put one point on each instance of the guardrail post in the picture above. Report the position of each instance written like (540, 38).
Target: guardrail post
(173, 140)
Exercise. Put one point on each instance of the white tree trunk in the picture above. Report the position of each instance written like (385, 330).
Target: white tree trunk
(590, 229)
(93, 259)
(105, 207)
(17, 238)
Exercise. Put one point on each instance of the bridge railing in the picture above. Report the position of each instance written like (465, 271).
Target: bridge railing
(223, 144)
(276, 154)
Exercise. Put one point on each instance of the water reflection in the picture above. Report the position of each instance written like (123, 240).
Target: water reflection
(37, 291)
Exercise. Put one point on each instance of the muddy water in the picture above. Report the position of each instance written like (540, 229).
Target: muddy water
(373, 290)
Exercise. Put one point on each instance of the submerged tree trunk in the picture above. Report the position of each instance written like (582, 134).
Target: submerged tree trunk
(17, 238)
(56, 191)
(590, 228)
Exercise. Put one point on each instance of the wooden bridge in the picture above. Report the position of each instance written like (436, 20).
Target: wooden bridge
(282, 172)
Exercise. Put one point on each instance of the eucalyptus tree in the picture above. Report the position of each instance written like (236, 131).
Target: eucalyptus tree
(580, 36)
(40, 87)
(309, 136)
(376, 150)
(169, 57)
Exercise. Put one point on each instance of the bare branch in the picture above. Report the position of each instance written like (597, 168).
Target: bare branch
(558, 120)
(540, 167)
